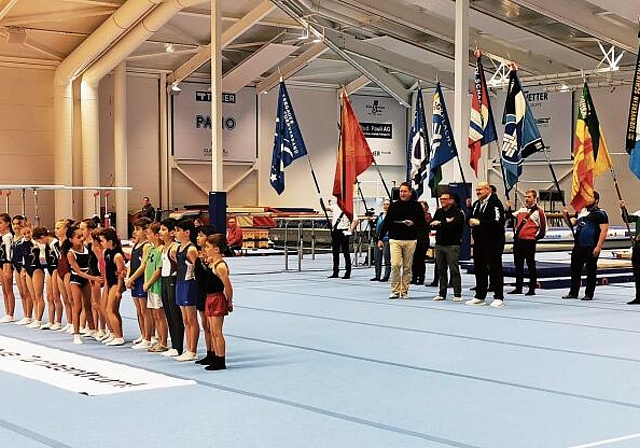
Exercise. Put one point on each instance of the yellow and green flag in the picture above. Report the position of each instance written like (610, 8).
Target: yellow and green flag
(590, 154)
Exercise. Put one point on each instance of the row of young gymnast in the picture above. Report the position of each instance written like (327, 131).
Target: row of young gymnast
(175, 270)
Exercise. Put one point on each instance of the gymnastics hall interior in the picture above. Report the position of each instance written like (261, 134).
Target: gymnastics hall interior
(318, 362)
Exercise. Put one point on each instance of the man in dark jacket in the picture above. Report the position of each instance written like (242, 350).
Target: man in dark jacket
(448, 221)
(404, 219)
(487, 229)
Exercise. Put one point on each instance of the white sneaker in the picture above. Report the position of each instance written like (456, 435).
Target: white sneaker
(69, 329)
(77, 340)
(66, 327)
(458, 299)
(475, 301)
(172, 352)
(84, 330)
(24, 321)
(115, 342)
(143, 345)
(6, 319)
(90, 334)
(108, 339)
(137, 340)
(46, 326)
(497, 303)
(154, 341)
(438, 298)
(405, 295)
(394, 295)
(34, 324)
(55, 327)
(187, 356)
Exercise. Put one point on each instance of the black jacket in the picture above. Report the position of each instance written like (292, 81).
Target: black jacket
(399, 211)
(449, 233)
(491, 228)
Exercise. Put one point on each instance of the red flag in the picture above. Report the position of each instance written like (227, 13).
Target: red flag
(354, 157)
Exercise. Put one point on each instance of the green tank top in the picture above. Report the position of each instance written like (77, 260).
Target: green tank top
(154, 263)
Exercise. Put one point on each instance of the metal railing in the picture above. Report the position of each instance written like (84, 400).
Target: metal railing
(301, 235)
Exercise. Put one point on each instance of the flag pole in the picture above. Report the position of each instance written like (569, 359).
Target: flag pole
(315, 181)
(623, 208)
(557, 184)
(381, 178)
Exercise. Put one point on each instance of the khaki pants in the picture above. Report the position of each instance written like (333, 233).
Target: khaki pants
(401, 258)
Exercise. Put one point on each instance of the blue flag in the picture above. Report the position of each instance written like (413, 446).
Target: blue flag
(521, 135)
(418, 149)
(288, 144)
(633, 128)
(443, 146)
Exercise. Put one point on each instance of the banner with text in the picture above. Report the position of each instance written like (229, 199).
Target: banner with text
(78, 373)
(384, 123)
(192, 123)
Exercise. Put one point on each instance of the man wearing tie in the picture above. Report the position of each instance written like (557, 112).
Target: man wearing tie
(487, 229)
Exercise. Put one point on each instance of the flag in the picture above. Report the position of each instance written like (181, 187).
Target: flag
(633, 129)
(418, 149)
(288, 144)
(482, 129)
(521, 135)
(590, 154)
(354, 157)
(443, 146)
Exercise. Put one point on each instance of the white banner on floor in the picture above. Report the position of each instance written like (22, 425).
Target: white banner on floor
(78, 373)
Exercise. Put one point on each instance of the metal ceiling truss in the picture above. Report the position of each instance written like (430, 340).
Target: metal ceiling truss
(372, 70)
(576, 15)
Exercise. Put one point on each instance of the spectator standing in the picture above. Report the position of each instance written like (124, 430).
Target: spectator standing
(405, 218)
(591, 227)
(487, 229)
(380, 255)
(448, 221)
(531, 226)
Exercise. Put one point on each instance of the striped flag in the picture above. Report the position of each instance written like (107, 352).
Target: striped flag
(288, 144)
(590, 154)
(633, 127)
(521, 135)
(418, 149)
(354, 157)
(443, 146)
(482, 129)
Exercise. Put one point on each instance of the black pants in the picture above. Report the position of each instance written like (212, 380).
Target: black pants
(172, 311)
(635, 262)
(340, 243)
(418, 267)
(525, 250)
(581, 256)
(487, 262)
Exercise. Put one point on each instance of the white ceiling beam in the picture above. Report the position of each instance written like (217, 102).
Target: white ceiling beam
(576, 15)
(161, 54)
(383, 79)
(390, 60)
(40, 48)
(292, 67)
(232, 33)
(5, 7)
(255, 65)
(357, 84)
(46, 17)
(95, 2)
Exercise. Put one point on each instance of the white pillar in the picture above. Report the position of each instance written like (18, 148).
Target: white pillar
(63, 150)
(90, 110)
(165, 167)
(461, 115)
(217, 181)
(120, 147)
